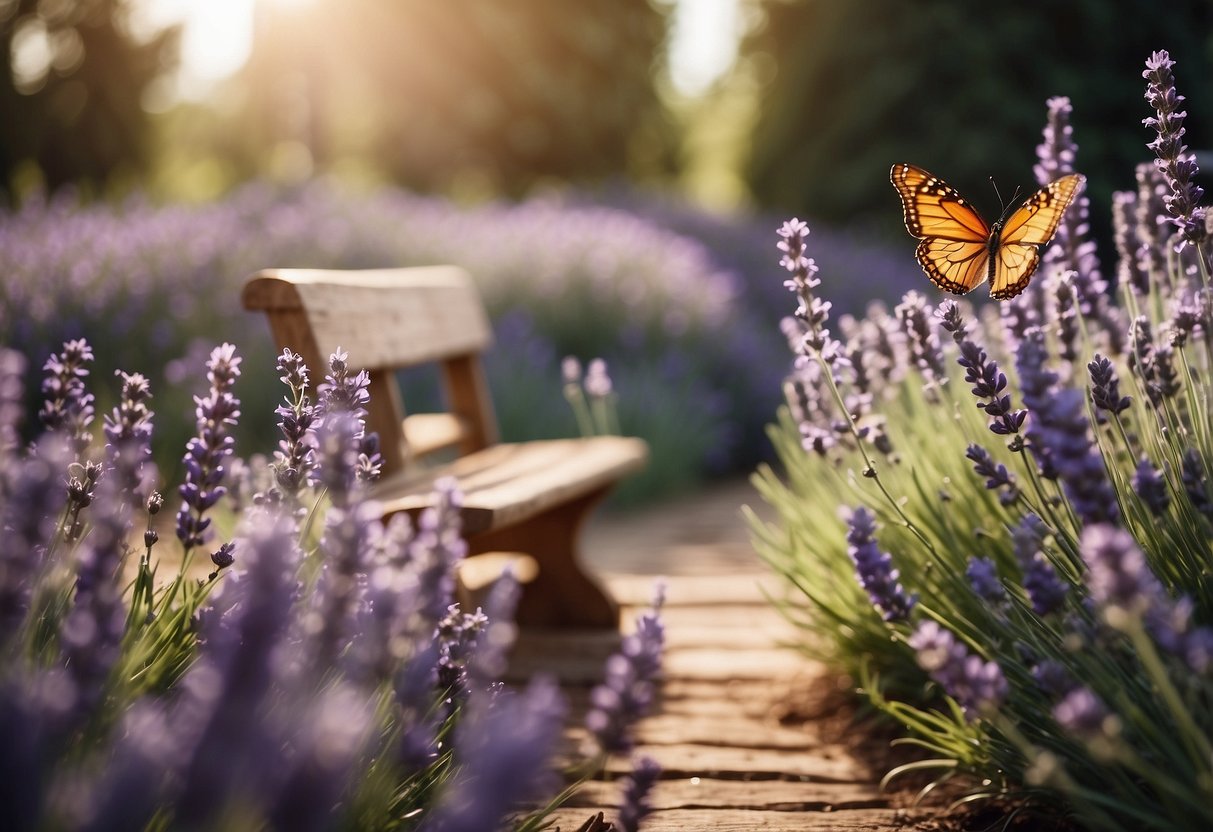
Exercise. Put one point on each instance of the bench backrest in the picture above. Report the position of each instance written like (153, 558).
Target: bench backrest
(387, 319)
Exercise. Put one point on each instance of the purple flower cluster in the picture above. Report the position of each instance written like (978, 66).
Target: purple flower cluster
(1177, 164)
(983, 373)
(1119, 577)
(874, 568)
(343, 392)
(295, 458)
(975, 684)
(996, 474)
(67, 406)
(914, 315)
(12, 369)
(206, 453)
(630, 685)
(1105, 387)
(1046, 590)
(1060, 435)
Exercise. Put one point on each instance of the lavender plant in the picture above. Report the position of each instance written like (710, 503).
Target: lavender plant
(1023, 584)
(319, 677)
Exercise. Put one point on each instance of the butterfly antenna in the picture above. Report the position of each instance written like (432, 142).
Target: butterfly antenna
(1005, 205)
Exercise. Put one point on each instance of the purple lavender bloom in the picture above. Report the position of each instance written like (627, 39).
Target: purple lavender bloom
(295, 458)
(626, 693)
(91, 634)
(1072, 251)
(458, 636)
(436, 547)
(1151, 487)
(1081, 712)
(634, 807)
(1195, 482)
(1105, 387)
(128, 432)
(1053, 677)
(1046, 590)
(489, 659)
(330, 623)
(1130, 270)
(983, 578)
(31, 498)
(913, 313)
(1060, 434)
(1154, 226)
(975, 684)
(242, 658)
(206, 453)
(1174, 160)
(326, 756)
(67, 407)
(12, 370)
(989, 383)
(812, 313)
(1066, 315)
(505, 744)
(342, 392)
(597, 381)
(1117, 572)
(996, 474)
(874, 568)
(338, 441)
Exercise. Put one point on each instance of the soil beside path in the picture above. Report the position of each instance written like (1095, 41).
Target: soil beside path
(731, 758)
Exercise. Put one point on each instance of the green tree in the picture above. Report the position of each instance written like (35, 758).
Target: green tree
(504, 94)
(72, 79)
(959, 88)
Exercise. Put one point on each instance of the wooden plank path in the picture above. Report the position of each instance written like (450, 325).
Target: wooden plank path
(729, 762)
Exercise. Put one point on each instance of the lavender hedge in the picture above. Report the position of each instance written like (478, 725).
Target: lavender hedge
(670, 296)
(290, 662)
(998, 521)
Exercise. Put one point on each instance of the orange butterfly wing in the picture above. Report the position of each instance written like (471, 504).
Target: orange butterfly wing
(1033, 224)
(956, 242)
(954, 251)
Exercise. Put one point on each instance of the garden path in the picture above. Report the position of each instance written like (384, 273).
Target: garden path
(749, 734)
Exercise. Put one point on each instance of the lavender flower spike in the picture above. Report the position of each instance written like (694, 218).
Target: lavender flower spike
(1150, 486)
(505, 744)
(12, 367)
(637, 786)
(874, 568)
(627, 692)
(206, 452)
(975, 684)
(1177, 164)
(67, 407)
(1105, 387)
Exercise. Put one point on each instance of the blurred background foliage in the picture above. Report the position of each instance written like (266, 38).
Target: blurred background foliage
(553, 148)
(958, 88)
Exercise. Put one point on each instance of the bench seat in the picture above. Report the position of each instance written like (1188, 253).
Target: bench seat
(510, 483)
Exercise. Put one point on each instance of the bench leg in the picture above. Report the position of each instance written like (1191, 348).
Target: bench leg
(562, 595)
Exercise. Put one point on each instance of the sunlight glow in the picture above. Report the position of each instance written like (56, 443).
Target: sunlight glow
(216, 38)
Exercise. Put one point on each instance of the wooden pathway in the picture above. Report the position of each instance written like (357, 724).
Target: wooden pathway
(729, 729)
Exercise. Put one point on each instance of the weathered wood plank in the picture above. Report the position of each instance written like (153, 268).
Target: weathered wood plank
(506, 484)
(762, 795)
(746, 820)
(381, 317)
(827, 764)
(746, 588)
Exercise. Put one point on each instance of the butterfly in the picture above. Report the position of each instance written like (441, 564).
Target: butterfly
(959, 249)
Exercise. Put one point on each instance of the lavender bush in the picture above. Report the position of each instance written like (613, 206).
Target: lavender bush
(671, 298)
(297, 664)
(1017, 570)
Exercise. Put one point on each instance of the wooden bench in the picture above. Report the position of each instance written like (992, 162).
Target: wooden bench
(528, 497)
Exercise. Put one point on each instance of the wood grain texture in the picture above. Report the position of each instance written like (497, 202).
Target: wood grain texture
(381, 317)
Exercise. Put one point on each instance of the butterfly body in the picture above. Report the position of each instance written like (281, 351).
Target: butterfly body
(959, 250)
